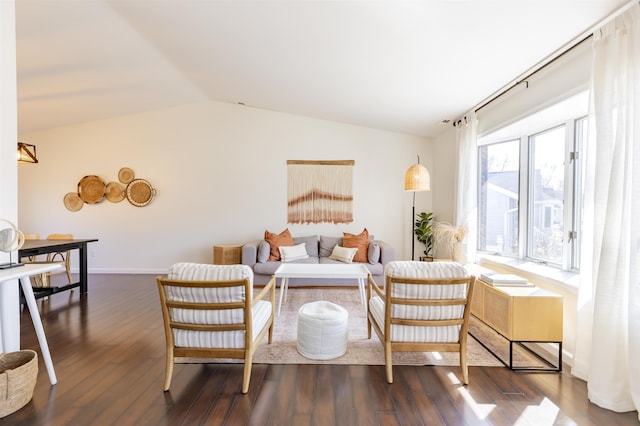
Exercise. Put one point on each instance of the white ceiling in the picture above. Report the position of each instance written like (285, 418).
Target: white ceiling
(403, 66)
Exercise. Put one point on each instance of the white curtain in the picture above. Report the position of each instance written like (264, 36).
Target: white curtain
(608, 336)
(466, 185)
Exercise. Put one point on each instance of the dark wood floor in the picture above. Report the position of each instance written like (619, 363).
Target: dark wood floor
(108, 352)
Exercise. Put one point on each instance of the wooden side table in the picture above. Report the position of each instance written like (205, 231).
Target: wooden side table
(521, 315)
(227, 254)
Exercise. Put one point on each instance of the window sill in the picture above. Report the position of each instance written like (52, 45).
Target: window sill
(540, 275)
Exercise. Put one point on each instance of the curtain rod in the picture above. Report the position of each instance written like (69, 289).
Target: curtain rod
(532, 73)
(584, 36)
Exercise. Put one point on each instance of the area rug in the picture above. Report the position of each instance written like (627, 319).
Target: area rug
(360, 349)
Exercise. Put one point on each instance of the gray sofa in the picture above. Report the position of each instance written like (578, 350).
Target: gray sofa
(319, 248)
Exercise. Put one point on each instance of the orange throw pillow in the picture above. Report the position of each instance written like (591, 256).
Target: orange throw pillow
(360, 241)
(276, 240)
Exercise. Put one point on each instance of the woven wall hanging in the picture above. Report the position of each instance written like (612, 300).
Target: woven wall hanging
(320, 191)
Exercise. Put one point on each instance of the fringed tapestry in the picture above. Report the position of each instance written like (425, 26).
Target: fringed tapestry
(320, 191)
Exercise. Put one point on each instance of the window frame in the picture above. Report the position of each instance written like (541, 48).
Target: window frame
(572, 192)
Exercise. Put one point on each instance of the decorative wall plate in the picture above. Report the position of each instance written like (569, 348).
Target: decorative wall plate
(140, 193)
(91, 189)
(115, 192)
(126, 175)
(73, 202)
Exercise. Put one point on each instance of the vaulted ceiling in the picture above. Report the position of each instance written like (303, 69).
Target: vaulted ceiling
(402, 66)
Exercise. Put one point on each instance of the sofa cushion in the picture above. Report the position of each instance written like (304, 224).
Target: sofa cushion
(327, 244)
(360, 242)
(373, 253)
(277, 240)
(376, 269)
(343, 254)
(311, 243)
(264, 251)
(291, 253)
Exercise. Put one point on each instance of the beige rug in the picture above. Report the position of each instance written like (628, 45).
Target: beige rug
(360, 350)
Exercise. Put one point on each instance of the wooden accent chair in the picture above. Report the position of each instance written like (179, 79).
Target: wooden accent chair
(209, 311)
(424, 307)
(31, 237)
(40, 280)
(64, 257)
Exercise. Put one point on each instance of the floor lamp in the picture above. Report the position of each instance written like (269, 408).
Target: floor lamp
(416, 179)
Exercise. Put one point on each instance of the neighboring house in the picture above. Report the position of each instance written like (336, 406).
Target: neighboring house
(501, 221)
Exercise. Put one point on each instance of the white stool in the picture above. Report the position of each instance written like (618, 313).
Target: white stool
(322, 330)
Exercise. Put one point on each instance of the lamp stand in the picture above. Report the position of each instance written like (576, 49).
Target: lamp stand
(413, 215)
(416, 179)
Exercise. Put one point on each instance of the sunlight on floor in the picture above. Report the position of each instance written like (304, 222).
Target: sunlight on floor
(480, 410)
(544, 414)
(453, 378)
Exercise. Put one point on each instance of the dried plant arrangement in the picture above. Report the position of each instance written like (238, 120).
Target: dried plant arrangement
(447, 237)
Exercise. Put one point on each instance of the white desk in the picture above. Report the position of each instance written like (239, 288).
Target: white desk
(10, 310)
(327, 271)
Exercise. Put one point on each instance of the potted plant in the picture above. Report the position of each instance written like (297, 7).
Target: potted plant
(423, 230)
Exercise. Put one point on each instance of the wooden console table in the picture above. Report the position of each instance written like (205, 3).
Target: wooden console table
(521, 315)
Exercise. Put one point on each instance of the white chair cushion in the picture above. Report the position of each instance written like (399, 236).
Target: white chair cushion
(411, 269)
(404, 333)
(224, 339)
(427, 270)
(204, 272)
(424, 270)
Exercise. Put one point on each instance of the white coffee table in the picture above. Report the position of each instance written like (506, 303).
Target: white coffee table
(326, 271)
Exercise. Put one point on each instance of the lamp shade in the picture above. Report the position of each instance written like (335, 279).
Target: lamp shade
(417, 178)
(26, 153)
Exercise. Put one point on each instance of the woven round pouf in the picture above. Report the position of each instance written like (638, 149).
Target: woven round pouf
(322, 330)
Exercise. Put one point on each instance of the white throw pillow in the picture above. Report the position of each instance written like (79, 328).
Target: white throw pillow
(291, 253)
(343, 254)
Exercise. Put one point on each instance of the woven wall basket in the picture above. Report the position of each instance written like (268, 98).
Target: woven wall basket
(140, 192)
(91, 189)
(18, 374)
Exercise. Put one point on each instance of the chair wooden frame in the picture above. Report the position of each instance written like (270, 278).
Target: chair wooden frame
(63, 257)
(390, 346)
(250, 344)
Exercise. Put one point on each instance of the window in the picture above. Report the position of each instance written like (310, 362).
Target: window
(530, 186)
(498, 202)
(546, 189)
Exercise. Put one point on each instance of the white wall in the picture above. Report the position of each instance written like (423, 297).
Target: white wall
(443, 178)
(221, 176)
(8, 118)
